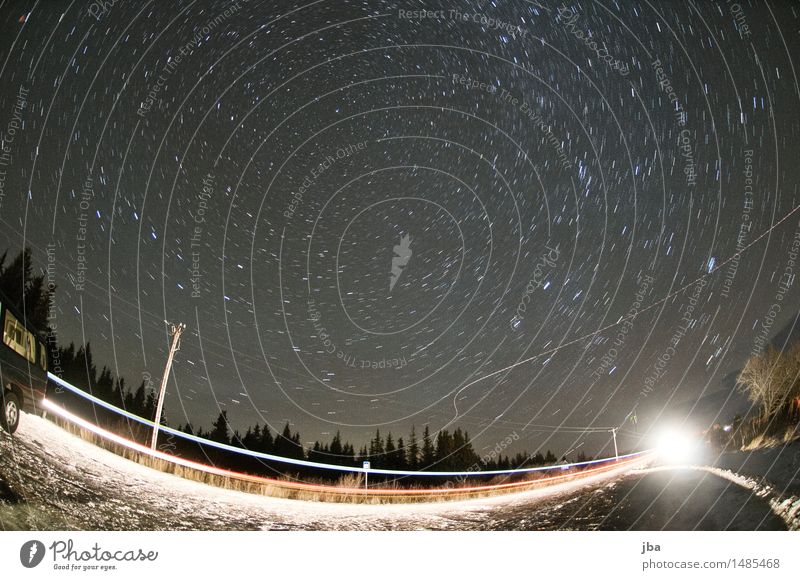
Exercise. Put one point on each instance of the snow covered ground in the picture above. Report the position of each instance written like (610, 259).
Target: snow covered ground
(694, 498)
(50, 479)
(773, 474)
(778, 466)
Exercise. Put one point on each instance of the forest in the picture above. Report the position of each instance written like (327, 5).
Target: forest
(442, 451)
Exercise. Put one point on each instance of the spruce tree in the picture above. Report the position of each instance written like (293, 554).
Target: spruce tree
(390, 451)
(219, 430)
(412, 455)
(376, 448)
(444, 449)
(27, 292)
(400, 455)
(267, 443)
(428, 453)
(283, 442)
(336, 450)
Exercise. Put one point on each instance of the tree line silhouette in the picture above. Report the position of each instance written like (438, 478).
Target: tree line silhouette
(446, 451)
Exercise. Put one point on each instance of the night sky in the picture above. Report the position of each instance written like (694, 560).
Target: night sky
(359, 209)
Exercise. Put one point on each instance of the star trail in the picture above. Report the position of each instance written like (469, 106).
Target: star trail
(511, 217)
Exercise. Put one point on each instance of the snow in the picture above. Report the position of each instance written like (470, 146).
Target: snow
(696, 497)
(50, 479)
(772, 473)
(61, 480)
(780, 466)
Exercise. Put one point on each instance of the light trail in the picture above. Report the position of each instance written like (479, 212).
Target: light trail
(302, 462)
(611, 464)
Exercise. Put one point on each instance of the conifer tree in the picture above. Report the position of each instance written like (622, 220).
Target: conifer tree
(267, 442)
(376, 448)
(390, 451)
(219, 430)
(412, 455)
(27, 292)
(428, 453)
(400, 455)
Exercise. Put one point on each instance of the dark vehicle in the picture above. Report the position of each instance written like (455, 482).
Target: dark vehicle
(23, 368)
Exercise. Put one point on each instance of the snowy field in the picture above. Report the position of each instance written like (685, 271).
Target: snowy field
(779, 466)
(50, 479)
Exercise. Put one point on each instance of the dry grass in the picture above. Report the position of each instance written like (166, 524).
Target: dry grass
(350, 483)
(762, 440)
(767, 431)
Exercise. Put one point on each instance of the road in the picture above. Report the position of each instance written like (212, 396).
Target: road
(50, 479)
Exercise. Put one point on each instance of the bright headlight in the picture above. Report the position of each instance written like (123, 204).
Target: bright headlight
(676, 445)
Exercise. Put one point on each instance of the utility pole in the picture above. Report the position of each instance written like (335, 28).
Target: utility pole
(175, 332)
(616, 452)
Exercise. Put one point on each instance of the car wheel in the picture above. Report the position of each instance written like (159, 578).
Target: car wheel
(9, 417)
